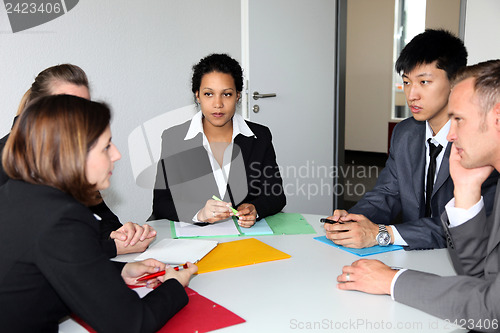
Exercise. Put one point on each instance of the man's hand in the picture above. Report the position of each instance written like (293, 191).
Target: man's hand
(467, 182)
(132, 237)
(360, 232)
(367, 275)
(338, 215)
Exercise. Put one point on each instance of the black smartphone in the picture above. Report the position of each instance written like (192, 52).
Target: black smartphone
(330, 221)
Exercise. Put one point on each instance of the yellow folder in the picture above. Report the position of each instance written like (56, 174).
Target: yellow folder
(243, 252)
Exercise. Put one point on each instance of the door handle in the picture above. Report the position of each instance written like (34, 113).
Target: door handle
(256, 95)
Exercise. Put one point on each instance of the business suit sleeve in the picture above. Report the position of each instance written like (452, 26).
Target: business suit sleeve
(109, 222)
(423, 233)
(163, 203)
(395, 192)
(471, 298)
(3, 175)
(265, 185)
(468, 244)
(70, 257)
(454, 298)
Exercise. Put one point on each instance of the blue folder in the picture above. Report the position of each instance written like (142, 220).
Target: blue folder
(368, 251)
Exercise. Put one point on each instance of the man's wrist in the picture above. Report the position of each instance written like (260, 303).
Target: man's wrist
(391, 233)
(465, 198)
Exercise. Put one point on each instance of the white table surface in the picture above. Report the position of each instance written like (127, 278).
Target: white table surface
(300, 294)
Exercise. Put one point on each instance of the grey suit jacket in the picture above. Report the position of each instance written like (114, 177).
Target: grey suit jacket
(400, 188)
(472, 298)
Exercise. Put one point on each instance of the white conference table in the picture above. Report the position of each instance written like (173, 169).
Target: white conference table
(300, 294)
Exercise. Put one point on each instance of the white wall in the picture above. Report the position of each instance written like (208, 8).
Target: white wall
(138, 56)
(482, 30)
(369, 68)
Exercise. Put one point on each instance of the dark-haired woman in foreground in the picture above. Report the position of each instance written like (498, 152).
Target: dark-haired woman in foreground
(70, 79)
(58, 155)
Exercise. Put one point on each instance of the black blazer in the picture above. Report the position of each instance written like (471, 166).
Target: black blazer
(185, 180)
(53, 264)
(109, 221)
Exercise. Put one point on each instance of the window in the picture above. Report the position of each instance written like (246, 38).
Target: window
(409, 21)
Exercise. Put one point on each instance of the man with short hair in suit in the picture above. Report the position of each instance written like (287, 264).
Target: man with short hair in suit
(427, 64)
(472, 298)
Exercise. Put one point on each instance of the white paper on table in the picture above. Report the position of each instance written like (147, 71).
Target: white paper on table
(178, 251)
(223, 228)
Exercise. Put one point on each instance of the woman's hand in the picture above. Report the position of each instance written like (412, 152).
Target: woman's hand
(134, 270)
(132, 237)
(214, 211)
(247, 215)
(183, 275)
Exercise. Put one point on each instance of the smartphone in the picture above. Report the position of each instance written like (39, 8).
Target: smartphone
(330, 221)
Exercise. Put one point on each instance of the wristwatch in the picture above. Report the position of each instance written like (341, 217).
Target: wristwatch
(383, 238)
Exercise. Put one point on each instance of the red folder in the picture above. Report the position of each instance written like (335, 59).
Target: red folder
(199, 315)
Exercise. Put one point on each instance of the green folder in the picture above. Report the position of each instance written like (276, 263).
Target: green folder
(280, 224)
(289, 224)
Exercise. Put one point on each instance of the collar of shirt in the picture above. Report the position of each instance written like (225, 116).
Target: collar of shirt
(196, 126)
(440, 137)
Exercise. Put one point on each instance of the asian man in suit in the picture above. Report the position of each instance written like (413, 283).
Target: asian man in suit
(427, 65)
(471, 298)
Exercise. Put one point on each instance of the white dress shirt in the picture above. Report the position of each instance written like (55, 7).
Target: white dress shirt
(220, 174)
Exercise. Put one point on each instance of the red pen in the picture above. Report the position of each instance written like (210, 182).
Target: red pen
(160, 273)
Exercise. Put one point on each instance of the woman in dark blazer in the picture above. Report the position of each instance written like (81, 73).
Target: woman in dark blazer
(72, 80)
(217, 153)
(58, 155)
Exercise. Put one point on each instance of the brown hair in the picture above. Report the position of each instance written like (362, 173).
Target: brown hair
(50, 142)
(45, 80)
(486, 77)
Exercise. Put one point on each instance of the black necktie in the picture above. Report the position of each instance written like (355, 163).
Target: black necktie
(431, 171)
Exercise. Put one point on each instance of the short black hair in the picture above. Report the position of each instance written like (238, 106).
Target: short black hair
(433, 45)
(221, 63)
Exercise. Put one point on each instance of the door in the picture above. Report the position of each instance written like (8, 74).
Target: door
(291, 53)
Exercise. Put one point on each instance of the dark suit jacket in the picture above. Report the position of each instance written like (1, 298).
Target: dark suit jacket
(400, 188)
(185, 180)
(3, 175)
(109, 222)
(53, 264)
(473, 297)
